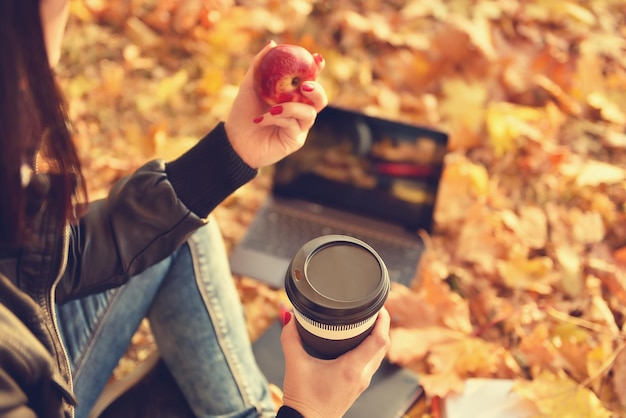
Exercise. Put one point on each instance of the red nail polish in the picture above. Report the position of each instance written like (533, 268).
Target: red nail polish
(258, 120)
(286, 317)
(308, 87)
(276, 110)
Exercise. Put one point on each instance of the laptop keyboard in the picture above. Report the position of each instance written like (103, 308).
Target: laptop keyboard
(275, 229)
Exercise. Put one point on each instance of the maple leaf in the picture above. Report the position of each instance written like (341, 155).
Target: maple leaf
(463, 107)
(467, 356)
(594, 173)
(556, 395)
(441, 384)
(432, 304)
(534, 274)
(508, 124)
(463, 184)
(530, 225)
(410, 345)
(570, 262)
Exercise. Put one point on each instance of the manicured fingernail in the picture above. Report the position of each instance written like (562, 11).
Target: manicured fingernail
(286, 317)
(318, 58)
(308, 87)
(258, 120)
(276, 110)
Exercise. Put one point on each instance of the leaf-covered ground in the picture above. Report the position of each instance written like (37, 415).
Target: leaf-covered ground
(525, 273)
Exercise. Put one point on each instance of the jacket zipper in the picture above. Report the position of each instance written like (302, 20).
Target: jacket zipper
(55, 322)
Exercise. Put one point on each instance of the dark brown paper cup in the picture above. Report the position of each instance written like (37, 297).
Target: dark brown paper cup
(337, 285)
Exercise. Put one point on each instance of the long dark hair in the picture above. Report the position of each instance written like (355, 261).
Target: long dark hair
(33, 120)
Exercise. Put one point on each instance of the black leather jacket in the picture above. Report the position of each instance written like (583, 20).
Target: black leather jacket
(145, 217)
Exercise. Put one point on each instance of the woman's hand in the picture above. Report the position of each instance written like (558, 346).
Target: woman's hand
(263, 135)
(328, 388)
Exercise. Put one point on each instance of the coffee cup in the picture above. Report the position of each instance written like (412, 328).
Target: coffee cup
(337, 284)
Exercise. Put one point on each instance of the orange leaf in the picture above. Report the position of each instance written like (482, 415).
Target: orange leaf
(441, 384)
(411, 345)
(620, 256)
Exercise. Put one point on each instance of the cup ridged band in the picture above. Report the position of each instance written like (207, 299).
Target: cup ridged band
(334, 332)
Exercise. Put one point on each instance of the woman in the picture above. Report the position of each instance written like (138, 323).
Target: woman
(76, 280)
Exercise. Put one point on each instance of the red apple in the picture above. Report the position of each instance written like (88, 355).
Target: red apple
(281, 72)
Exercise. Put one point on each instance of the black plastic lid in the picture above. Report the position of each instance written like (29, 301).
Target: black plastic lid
(337, 279)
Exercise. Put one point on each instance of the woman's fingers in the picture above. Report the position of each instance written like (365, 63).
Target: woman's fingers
(316, 93)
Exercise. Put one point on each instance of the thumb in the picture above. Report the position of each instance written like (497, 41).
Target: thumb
(257, 58)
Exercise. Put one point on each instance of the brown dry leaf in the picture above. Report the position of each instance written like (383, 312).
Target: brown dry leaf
(537, 351)
(462, 108)
(620, 256)
(530, 225)
(468, 356)
(463, 184)
(532, 274)
(441, 384)
(454, 360)
(569, 264)
(508, 125)
(619, 377)
(434, 304)
(186, 15)
(410, 345)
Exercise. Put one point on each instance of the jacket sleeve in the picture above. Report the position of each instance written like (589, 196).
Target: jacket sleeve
(148, 214)
(287, 412)
(29, 385)
(13, 400)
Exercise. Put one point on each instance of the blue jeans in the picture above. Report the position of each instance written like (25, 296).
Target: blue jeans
(197, 320)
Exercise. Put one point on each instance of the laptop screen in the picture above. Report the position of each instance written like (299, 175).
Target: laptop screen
(367, 165)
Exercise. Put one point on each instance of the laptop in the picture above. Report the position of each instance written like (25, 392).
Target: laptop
(392, 390)
(370, 178)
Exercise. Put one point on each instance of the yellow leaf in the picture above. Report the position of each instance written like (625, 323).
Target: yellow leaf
(508, 123)
(462, 183)
(212, 80)
(595, 364)
(556, 395)
(535, 274)
(609, 110)
(572, 333)
(479, 31)
(463, 106)
(536, 348)
(531, 226)
(565, 11)
(171, 86)
(572, 280)
(467, 356)
(587, 226)
(79, 9)
(594, 173)
(172, 148)
(589, 75)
